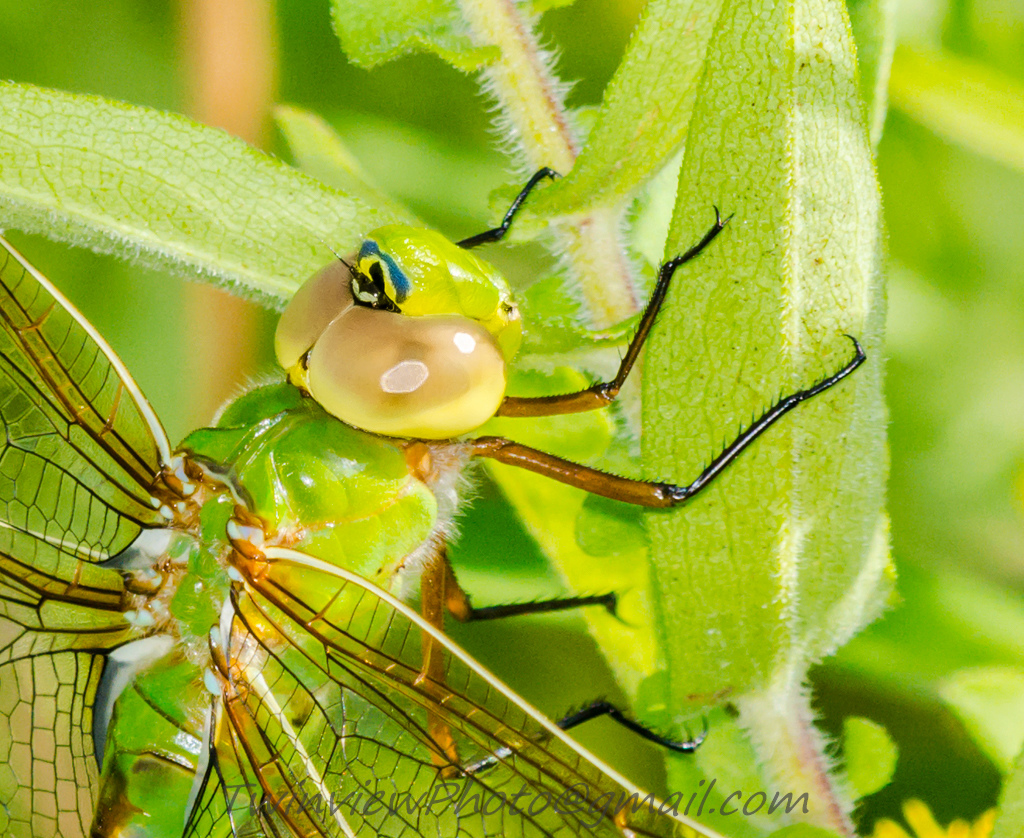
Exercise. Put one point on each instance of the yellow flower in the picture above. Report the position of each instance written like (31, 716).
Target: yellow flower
(921, 820)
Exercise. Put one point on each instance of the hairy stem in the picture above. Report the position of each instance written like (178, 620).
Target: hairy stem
(532, 101)
(792, 751)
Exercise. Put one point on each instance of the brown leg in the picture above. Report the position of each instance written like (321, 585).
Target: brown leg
(432, 672)
(603, 394)
(641, 492)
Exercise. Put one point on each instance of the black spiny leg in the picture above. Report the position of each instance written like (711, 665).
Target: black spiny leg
(593, 711)
(605, 708)
(603, 394)
(498, 233)
(644, 493)
(545, 606)
(457, 603)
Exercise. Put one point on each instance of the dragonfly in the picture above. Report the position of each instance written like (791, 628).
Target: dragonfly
(215, 639)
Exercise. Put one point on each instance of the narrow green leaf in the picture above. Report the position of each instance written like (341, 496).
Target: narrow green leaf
(320, 153)
(1010, 820)
(376, 31)
(656, 202)
(870, 755)
(874, 30)
(785, 556)
(990, 702)
(179, 195)
(963, 101)
(646, 109)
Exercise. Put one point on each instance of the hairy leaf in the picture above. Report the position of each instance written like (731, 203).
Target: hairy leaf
(646, 108)
(177, 194)
(784, 556)
(874, 29)
(375, 31)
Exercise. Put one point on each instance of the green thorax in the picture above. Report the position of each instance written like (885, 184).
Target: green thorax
(321, 486)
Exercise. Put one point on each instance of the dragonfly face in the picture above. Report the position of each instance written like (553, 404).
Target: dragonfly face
(409, 340)
(218, 616)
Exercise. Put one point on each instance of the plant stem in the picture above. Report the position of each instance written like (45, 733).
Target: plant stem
(791, 749)
(232, 63)
(532, 100)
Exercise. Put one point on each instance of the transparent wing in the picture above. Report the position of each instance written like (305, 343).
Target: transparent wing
(79, 451)
(50, 669)
(326, 700)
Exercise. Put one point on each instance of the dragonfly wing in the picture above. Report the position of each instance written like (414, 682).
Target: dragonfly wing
(80, 450)
(222, 807)
(326, 694)
(50, 631)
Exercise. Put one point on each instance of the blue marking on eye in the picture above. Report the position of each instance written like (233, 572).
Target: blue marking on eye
(369, 248)
(397, 276)
(398, 279)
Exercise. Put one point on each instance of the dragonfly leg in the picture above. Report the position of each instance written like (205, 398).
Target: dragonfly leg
(652, 493)
(595, 710)
(604, 393)
(433, 582)
(498, 233)
(457, 602)
(605, 708)
(545, 606)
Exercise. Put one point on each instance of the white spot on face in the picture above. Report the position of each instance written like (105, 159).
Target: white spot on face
(404, 377)
(464, 342)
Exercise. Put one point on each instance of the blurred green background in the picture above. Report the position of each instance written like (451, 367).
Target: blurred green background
(955, 212)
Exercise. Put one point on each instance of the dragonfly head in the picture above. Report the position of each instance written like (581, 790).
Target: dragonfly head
(410, 338)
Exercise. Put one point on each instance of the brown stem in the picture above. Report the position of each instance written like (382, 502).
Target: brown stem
(231, 65)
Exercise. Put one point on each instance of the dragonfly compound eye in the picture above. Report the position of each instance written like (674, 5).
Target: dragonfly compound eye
(427, 377)
(323, 297)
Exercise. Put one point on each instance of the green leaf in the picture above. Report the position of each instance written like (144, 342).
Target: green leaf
(785, 556)
(990, 702)
(870, 755)
(608, 528)
(373, 32)
(962, 101)
(320, 153)
(550, 512)
(726, 766)
(552, 334)
(874, 30)
(179, 195)
(655, 204)
(1010, 820)
(645, 111)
